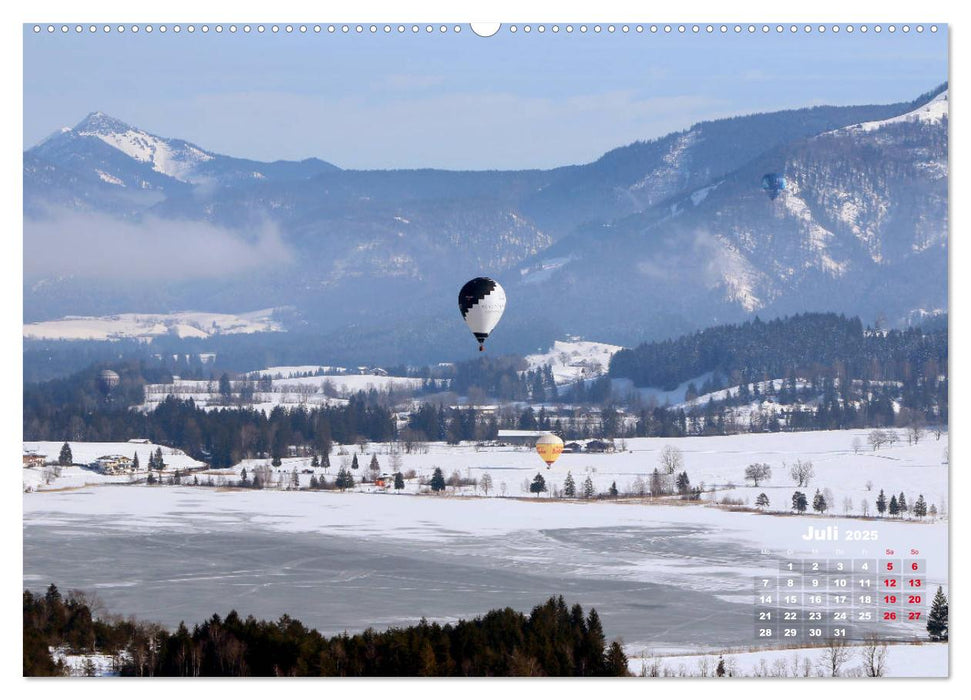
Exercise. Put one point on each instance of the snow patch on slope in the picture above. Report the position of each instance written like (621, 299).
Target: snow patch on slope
(933, 112)
(185, 324)
(574, 360)
(817, 237)
(178, 163)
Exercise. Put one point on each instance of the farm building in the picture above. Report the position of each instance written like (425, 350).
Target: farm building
(599, 446)
(519, 437)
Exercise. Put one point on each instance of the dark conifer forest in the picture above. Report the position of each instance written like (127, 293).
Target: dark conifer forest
(553, 640)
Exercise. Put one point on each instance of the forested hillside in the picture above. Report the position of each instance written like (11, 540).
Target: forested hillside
(553, 640)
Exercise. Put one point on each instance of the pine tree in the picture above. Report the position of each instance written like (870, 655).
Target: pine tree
(159, 462)
(902, 503)
(799, 502)
(588, 490)
(683, 483)
(881, 503)
(613, 489)
(762, 501)
(894, 507)
(65, 459)
(315, 462)
(294, 480)
(720, 669)
(933, 510)
(920, 507)
(374, 466)
(592, 645)
(819, 502)
(151, 479)
(243, 478)
(538, 485)
(354, 464)
(616, 661)
(325, 460)
(345, 479)
(569, 486)
(399, 481)
(937, 619)
(438, 480)
(134, 463)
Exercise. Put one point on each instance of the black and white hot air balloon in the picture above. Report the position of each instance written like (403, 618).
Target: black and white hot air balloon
(482, 302)
(108, 380)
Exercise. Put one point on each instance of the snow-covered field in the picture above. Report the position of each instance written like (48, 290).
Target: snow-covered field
(185, 324)
(288, 391)
(669, 577)
(717, 461)
(901, 661)
(573, 360)
(83, 453)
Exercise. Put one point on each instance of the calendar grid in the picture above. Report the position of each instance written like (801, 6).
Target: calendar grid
(812, 600)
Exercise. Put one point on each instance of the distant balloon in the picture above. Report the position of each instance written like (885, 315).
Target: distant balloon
(773, 184)
(482, 302)
(549, 447)
(108, 380)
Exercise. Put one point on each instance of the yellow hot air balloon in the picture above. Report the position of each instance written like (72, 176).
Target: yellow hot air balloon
(549, 447)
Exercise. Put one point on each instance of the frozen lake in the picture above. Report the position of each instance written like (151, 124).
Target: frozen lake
(340, 583)
(660, 577)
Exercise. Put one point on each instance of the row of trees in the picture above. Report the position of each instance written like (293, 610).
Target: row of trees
(220, 437)
(823, 501)
(553, 640)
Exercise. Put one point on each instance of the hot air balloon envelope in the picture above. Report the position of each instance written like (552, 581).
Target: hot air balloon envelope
(108, 379)
(549, 447)
(482, 302)
(773, 184)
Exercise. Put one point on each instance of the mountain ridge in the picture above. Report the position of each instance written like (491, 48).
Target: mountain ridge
(577, 238)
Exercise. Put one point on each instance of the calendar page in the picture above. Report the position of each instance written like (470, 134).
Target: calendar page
(436, 348)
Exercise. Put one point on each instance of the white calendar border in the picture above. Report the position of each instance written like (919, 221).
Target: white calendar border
(603, 11)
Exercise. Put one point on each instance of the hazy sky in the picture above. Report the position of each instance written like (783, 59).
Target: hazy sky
(454, 101)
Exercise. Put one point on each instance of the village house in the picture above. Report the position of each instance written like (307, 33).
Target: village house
(113, 464)
(32, 459)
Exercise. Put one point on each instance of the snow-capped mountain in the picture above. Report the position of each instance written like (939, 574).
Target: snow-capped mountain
(861, 228)
(102, 163)
(651, 240)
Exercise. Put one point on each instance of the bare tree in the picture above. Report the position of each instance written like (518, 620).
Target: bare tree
(892, 437)
(835, 654)
(847, 505)
(874, 653)
(760, 471)
(857, 445)
(802, 472)
(671, 459)
(916, 431)
(876, 438)
(485, 483)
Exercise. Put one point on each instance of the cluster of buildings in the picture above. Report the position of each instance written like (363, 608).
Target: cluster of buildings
(528, 438)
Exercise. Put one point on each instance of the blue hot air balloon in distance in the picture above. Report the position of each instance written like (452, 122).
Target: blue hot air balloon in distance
(773, 184)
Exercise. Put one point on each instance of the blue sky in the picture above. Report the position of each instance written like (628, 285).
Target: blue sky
(454, 101)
